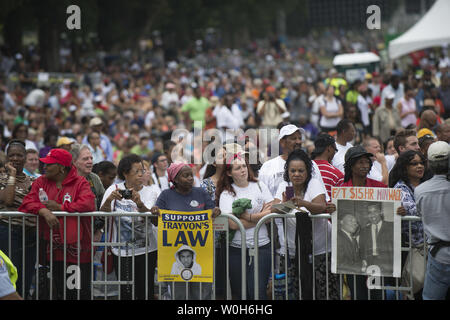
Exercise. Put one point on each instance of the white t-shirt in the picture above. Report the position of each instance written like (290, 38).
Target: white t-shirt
(237, 113)
(30, 145)
(272, 172)
(339, 158)
(161, 182)
(35, 98)
(169, 97)
(314, 189)
(376, 171)
(149, 118)
(364, 109)
(316, 109)
(148, 195)
(226, 119)
(259, 195)
(332, 106)
(390, 161)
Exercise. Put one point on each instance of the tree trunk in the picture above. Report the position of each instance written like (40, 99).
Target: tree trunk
(13, 31)
(49, 45)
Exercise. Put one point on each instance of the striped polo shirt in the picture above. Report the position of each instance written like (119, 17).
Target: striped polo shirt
(331, 176)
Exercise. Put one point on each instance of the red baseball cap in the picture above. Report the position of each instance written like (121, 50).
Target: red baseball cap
(60, 156)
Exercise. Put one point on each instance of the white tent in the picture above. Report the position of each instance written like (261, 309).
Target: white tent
(430, 31)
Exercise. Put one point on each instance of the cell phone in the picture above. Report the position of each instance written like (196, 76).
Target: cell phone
(289, 192)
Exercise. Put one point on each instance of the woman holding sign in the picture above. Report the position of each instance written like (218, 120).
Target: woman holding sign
(358, 163)
(133, 196)
(238, 182)
(183, 196)
(306, 193)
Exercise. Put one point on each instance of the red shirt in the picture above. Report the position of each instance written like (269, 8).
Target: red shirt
(369, 183)
(331, 176)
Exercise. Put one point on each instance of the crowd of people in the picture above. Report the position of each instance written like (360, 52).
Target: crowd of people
(113, 146)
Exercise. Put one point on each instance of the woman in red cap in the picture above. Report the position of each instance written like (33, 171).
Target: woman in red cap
(66, 191)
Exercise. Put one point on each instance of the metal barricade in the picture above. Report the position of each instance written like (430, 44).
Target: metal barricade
(44, 269)
(397, 288)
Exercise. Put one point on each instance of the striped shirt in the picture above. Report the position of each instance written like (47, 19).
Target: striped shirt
(331, 176)
(23, 186)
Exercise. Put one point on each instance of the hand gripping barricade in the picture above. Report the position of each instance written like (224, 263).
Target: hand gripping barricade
(43, 286)
(101, 284)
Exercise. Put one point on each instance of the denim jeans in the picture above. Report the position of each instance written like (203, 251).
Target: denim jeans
(263, 276)
(437, 280)
(16, 253)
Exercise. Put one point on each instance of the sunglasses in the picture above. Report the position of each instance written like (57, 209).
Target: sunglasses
(416, 163)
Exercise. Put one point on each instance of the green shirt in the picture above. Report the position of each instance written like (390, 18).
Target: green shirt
(140, 151)
(352, 96)
(197, 109)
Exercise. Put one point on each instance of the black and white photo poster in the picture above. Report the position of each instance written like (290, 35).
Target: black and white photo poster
(366, 231)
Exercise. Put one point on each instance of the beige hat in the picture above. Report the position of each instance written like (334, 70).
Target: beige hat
(63, 141)
(438, 150)
(233, 148)
(95, 122)
(214, 99)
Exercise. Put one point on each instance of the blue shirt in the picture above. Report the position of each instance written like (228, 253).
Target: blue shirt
(105, 144)
(433, 203)
(6, 286)
(197, 200)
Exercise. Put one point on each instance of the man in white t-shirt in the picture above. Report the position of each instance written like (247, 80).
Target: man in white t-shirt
(169, 97)
(363, 105)
(226, 119)
(272, 171)
(346, 133)
(380, 170)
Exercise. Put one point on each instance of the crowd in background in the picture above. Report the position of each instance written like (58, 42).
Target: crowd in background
(118, 124)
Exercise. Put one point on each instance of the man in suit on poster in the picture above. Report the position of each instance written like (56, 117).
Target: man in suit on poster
(376, 240)
(348, 254)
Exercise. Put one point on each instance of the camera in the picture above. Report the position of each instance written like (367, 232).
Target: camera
(126, 194)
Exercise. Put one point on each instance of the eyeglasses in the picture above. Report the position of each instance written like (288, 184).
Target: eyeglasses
(415, 163)
(139, 171)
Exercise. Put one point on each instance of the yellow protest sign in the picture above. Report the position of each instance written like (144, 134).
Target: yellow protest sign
(185, 246)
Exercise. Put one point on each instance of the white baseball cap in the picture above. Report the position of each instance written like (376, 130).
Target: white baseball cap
(438, 150)
(390, 95)
(289, 129)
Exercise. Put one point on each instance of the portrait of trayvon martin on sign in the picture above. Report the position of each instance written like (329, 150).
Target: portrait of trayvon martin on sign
(366, 232)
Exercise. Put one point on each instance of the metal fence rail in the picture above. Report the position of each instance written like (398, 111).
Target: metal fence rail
(397, 288)
(94, 246)
(109, 286)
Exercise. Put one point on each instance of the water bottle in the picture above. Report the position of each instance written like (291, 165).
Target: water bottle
(279, 286)
(43, 196)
